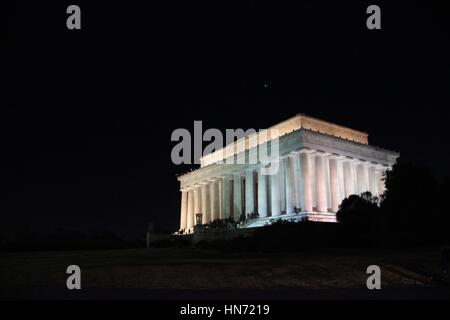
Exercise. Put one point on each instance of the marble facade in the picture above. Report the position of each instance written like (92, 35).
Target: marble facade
(319, 164)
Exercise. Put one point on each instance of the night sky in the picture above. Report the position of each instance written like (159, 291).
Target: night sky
(88, 114)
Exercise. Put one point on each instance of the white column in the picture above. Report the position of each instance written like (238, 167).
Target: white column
(321, 184)
(290, 188)
(184, 207)
(282, 179)
(305, 163)
(355, 175)
(197, 202)
(215, 200)
(349, 180)
(380, 182)
(298, 181)
(191, 209)
(361, 184)
(206, 204)
(226, 197)
(340, 170)
(312, 170)
(367, 165)
(262, 194)
(327, 181)
(237, 196)
(275, 193)
(249, 195)
(372, 181)
(334, 184)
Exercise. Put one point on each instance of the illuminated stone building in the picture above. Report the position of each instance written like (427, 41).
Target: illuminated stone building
(318, 165)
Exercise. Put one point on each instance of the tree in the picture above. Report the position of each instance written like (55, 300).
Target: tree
(357, 209)
(360, 219)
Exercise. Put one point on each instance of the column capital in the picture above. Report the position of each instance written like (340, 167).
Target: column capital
(306, 150)
(226, 176)
(198, 188)
(358, 161)
(202, 183)
(354, 160)
(381, 167)
(370, 164)
(335, 156)
(348, 159)
(191, 187)
(321, 153)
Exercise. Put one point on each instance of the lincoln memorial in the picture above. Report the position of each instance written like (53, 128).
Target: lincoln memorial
(317, 165)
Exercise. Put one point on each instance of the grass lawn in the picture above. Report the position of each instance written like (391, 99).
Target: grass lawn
(196, 269)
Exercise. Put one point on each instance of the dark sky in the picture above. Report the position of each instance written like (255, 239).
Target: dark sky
(89, 113)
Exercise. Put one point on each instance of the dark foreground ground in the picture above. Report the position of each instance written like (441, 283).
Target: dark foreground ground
(198, 274)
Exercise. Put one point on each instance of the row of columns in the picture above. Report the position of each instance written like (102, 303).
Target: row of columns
(307, 181)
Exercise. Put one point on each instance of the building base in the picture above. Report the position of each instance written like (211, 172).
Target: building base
(294, 217)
